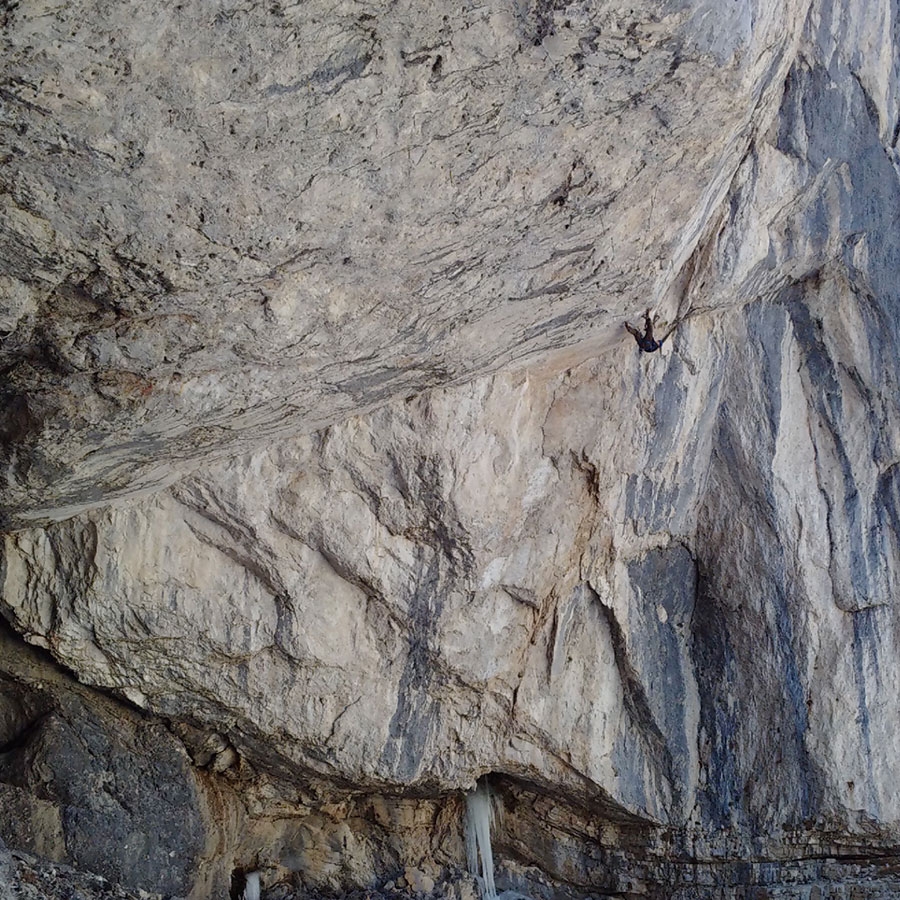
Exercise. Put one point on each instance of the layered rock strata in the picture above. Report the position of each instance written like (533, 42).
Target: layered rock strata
(650, 599)
(222, 224)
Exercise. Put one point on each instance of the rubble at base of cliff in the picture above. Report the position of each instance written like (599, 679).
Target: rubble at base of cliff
(32, 878)
(27, 877)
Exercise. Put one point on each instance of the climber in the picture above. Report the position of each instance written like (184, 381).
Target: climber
(646, 341)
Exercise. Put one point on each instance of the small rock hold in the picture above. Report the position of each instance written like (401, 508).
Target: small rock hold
(224, 760)
(418, 881)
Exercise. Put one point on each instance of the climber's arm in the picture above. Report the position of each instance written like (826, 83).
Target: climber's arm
(671, 331)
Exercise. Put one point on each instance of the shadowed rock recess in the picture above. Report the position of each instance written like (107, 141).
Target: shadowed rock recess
(332, 483)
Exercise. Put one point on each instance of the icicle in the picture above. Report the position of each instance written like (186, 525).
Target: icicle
(251, 889)
(478, 838)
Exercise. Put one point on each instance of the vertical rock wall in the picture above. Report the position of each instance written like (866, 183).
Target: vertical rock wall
(651, 597)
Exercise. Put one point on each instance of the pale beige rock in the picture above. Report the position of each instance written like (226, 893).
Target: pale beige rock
(652, 598)
(419, 882)
(246, 223)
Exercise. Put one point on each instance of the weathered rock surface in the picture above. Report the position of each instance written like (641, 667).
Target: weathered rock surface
(224, 223)
(652, 599)
(143, 803)
(92, 783)
(26, 877)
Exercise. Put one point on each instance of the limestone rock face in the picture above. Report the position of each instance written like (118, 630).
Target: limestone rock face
(224, 223)
(652, 599)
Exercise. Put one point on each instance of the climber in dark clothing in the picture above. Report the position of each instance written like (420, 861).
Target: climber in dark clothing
(646, 341)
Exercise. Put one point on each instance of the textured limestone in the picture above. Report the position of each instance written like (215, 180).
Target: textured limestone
(364, 605)
(85, 780)
(224, 223)
(652, 598)
(141, 803)
(366, 559)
